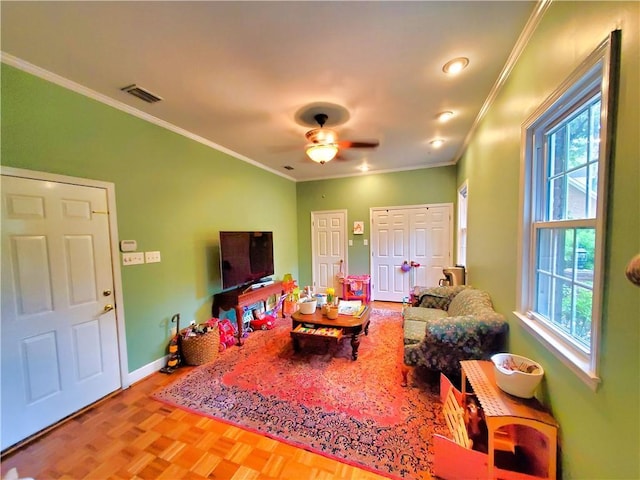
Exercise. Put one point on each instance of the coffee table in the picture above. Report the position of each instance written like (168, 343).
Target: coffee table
(306, 326)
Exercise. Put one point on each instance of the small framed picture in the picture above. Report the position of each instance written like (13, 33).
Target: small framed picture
(358, 228)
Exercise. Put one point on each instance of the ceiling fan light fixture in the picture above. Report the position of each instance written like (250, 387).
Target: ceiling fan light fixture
(322, 153)
(456, 65)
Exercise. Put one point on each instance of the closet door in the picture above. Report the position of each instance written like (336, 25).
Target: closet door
(420, 234)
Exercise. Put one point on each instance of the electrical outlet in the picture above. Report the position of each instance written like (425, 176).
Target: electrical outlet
(152, 257)
(132, 258)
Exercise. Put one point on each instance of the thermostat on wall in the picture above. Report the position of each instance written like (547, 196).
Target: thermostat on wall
(128, 245)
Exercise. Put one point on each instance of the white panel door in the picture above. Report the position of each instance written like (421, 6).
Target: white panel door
(421, 235)
(430, 243)
(59, 333)
(390, 249)
(329, 247)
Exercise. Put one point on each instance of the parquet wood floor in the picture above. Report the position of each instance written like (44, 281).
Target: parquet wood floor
(132, 436)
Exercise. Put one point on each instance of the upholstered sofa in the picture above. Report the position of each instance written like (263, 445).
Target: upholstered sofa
(447, 324)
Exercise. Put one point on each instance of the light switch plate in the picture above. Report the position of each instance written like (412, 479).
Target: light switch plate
(152, 257)
(134, 258)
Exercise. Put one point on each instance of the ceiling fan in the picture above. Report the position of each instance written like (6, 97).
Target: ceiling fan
(324, 144)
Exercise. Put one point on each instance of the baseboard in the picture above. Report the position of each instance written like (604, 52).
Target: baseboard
(148, 369)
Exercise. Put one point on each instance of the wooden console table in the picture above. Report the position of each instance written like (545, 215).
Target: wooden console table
(240, 298)
(503, 410)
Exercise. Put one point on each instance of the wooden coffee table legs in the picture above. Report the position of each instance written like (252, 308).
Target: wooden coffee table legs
(355, 343)
(355, 340)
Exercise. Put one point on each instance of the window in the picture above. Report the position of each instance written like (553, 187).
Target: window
(565, 157)
(462, 224)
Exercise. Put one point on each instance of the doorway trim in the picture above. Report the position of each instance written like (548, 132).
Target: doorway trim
(113, 241)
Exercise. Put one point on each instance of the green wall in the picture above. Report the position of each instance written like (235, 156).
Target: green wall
(357, 195)
(173, 195)
(599, 430)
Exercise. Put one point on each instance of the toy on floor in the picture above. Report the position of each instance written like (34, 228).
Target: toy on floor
(227, 334)
(263, 322)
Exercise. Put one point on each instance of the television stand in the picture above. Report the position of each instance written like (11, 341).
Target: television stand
(239, 299)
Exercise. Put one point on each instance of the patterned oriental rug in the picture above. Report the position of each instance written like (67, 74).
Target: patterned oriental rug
(321, 400)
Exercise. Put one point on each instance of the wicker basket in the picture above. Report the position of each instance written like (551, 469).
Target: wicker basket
(200, 349)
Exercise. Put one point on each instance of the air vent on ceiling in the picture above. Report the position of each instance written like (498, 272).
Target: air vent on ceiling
(141, 93)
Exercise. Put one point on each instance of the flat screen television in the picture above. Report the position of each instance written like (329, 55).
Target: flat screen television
(245, 257)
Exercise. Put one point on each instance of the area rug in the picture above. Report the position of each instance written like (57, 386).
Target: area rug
(320, 399)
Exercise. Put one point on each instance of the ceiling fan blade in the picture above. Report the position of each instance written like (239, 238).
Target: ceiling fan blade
(352, 144)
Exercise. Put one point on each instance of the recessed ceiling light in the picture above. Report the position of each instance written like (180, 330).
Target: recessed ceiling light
(445, 116)
(364, 168)
(456, 65)
(436, 143)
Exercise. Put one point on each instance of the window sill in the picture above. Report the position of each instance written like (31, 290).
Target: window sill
(576, 364)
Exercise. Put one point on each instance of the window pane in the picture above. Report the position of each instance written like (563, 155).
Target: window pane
(594, 141)
(583, 309)
(545, 250)
(577, 193)
(562, 305)
(592, 190)
(585, 254)
(558, 151)
(543, 295)
(557, 198)
(565, 254)
(579, 135)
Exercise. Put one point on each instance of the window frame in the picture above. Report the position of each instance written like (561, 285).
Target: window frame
(599, 71)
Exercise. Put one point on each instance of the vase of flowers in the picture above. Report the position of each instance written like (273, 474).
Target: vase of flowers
(331, 295)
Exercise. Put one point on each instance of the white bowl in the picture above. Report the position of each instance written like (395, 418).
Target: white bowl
(308, 307)
(517, 375)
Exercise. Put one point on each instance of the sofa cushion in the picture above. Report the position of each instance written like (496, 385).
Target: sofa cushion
(422, 314)
(416, 320)
(470, 301)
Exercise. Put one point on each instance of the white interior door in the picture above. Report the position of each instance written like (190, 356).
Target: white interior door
(389, 249)
(420, 234)
(329, 248)
(430, 243)
(59, 333)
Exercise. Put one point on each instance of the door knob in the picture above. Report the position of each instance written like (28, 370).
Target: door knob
(107, 308)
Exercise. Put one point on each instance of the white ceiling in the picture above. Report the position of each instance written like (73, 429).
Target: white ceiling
(239, 74)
